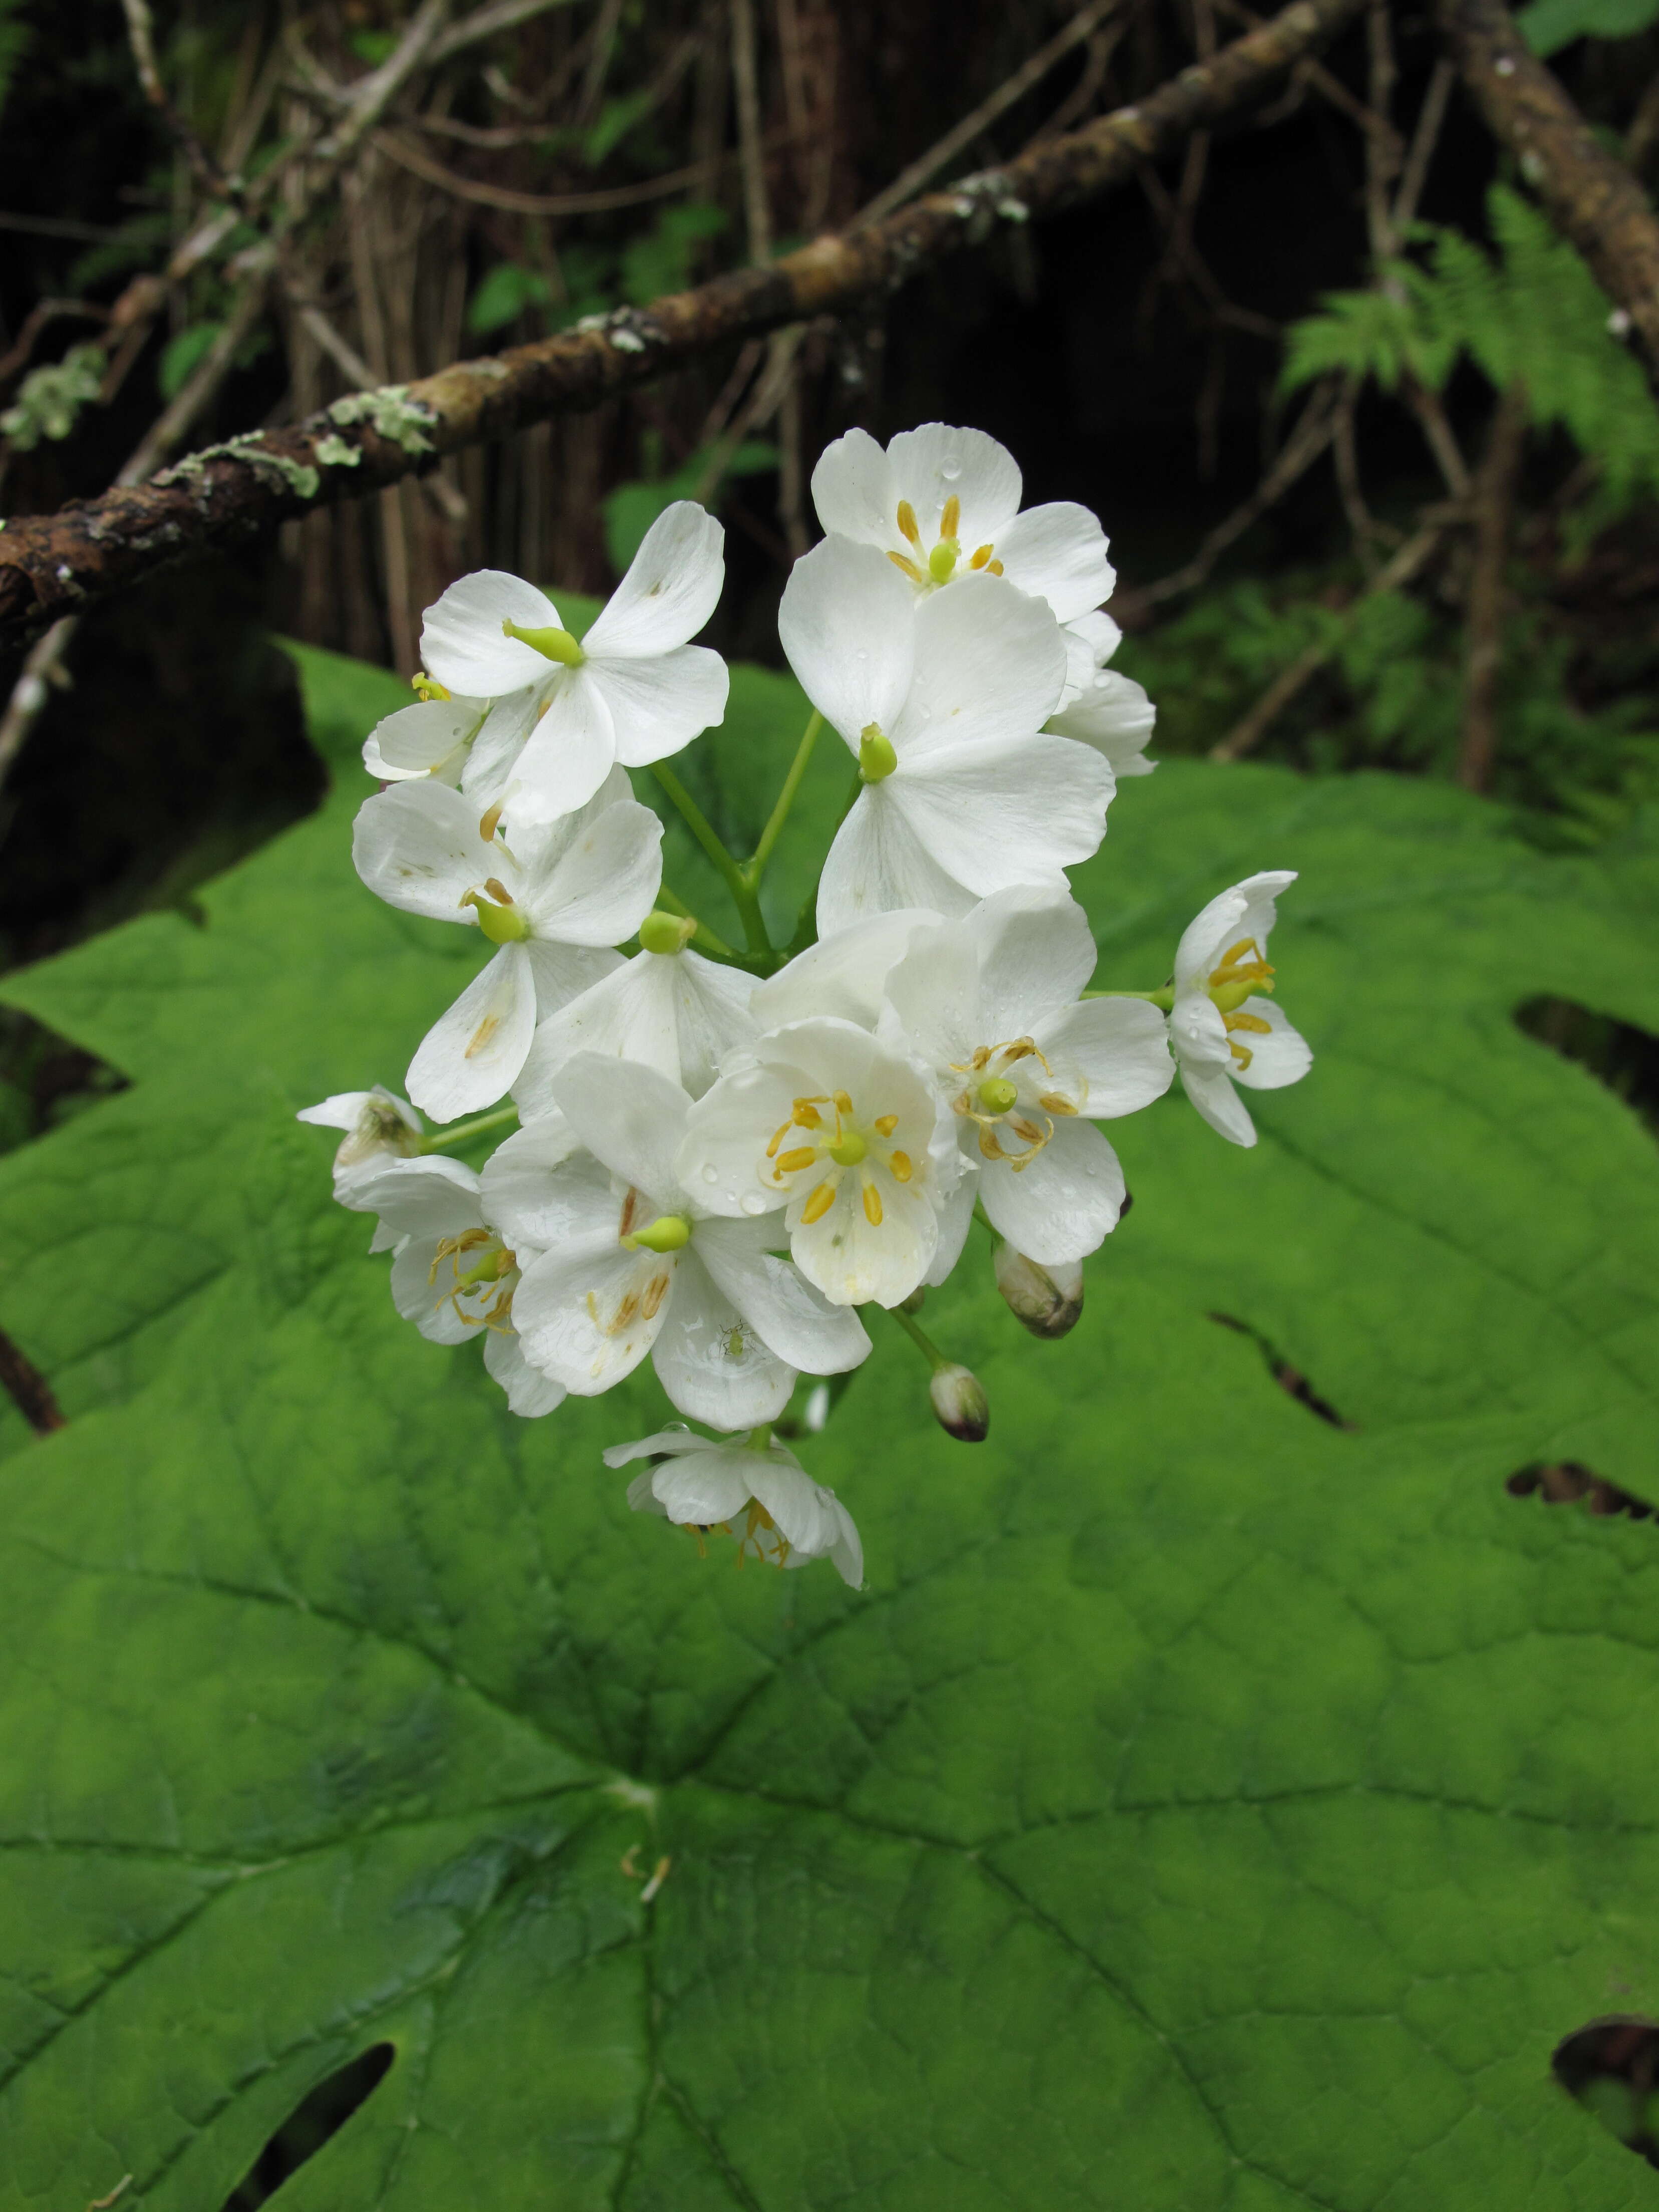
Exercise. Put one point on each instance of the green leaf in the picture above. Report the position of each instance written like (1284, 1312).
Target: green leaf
(1206, 1809)
(503, 294)
(1549, 24)
(662, 260)
(180, 355)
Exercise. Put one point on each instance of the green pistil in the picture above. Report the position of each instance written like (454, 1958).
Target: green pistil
(850, 1151)
(876, 759)
(557, 644)
(501, 925)
(668, 1232)
(667, 933)
(998, 1095)
(942, 560)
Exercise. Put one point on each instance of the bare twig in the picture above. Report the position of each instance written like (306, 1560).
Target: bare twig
(488, 23)
(41, 317)
(141, 37)
(1415, 175)
(1589, 195)
(50, 563)
(512, 201)
(1245, 736)
(926, 167)
(1492, 498)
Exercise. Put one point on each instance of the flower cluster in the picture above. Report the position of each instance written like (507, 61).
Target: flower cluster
(725, 1160)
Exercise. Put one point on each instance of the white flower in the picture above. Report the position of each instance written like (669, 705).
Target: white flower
(675, 1011)
(843, 1132)
(942, 503)
(451, 1273)
(765, 1500)
(1224, 1029)
(430, 739)
(634, 1263)
(632, 691)
(990, 1005)
(941, 703)
(1101, 707)
(379, 1127)
(552, 900)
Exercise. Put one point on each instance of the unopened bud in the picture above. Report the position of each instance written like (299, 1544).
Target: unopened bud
(1048, 1301)
(666, 933)
(960, 1404)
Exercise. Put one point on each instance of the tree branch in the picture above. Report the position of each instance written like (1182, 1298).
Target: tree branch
(50, 564)
(1589, 195)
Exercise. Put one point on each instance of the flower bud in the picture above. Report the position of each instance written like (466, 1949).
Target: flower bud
(667, 933)
(960, 1405)
(1048, 1301)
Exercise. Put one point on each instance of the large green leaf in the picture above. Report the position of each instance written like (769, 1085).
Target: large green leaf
(1204, 1806)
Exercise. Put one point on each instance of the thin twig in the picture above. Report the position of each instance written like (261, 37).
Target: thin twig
(1431, 116)
(512, 201)
(141, 37)
(41, 317)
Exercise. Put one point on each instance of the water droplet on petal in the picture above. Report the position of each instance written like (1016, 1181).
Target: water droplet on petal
(950, 468)
(752, 1202)
(861, 655)
(710, 1174)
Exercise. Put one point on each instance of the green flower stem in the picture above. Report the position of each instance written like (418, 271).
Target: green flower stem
(742, 891)
(1166, 998)
(463, 1132)
(780, 814)
(704, 940)
(918, 1336)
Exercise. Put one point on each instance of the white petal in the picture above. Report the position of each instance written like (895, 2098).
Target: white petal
(845, 625)
(628, 1016)
(530, 1394)
(853, 1260)
(713, 1366)
(853, 491)
(712, 1016)
(427, 1198)
(629, 1116)
(1260, 894)
(1115, 717)
(421, 1287)
(674, 1441)
(569, 752)
(659, 706)
(1212, 1093)
(1120, 1047)
(583, 1317)
(1058, 554)
(563, 972)
(990, 663)
(1037, 951)
(934, 993)
(703, 1489)
(1007, 814)
(788, 1315)
(540, 1191)
(1064, 1202)
(936, 463)
(1208, 935)
(342, 1111)
(878, 864)
(810, 1518)
(672, 587)
(956, 1217)
(418, 739)
(488, 773)
(1197, 1033)
(720, 1160)
(464, 646)
(842, 974)
(418, 847)
(596, 886)
(1280, 1058)
(472, 1055)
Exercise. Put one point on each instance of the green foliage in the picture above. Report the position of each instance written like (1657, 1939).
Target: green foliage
(50, 400)
(180, 355)
(1206, 1807)
(663, 259)
(631, 508)
(502, 295)
(139, 242)
(1549, 24)
(1533, 311)
(15, 37)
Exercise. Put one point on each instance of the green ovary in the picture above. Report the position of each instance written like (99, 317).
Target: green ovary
(557, 644)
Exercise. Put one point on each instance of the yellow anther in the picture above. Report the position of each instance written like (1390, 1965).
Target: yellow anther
(778, 1136)
(1052, 1102)
(950, 520)
(655, 1291)
(819, 1203)
(428, 686)
(872, 1205)
(981, 554)
(481, 1036)
(994, 568)
(1029, 1130)
(900, 1164)
(989, 1148)
(807, 1115)
(1241, 1053)
(886, 1125)
(904, 560)
(907, 523)
(791, 1163)
(848, 1148)
(1255, 1022)
(489, 823)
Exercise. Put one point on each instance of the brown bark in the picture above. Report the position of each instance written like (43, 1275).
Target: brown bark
(1590, 194)
(52, 564)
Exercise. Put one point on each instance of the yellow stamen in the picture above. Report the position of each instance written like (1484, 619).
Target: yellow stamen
(900, 1164)
(819, 1203)
(978, 559)
(885, 1125)
(791, 1163)
(486, 1030)
(1052, 1102)
(988, 1145)
(994, 568)
(656, 1290)
(843, 1104)
(907, 523)
(950, 520)
(904, 560)
(1241, 1053)
(1247, 1022)
(488, 824)
(1029, 1130)
(872, 1205)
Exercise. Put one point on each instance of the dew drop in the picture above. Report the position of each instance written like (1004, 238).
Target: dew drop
(711, 1175)
(752, 1202)
(949, 468)
(861, 655)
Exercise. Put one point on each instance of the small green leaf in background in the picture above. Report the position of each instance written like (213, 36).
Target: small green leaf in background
(180, 355)
(49, 400)
(1205, 1807)
(373, 46)
(662, 260)
(616, 119)
(1549, 24)
(503, 292)
(630, 510)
